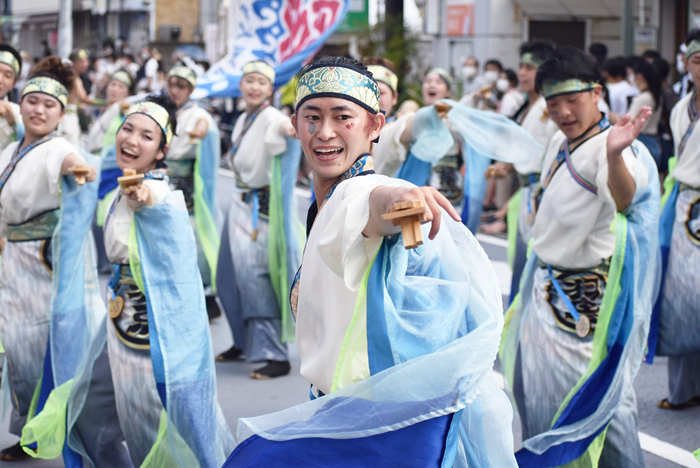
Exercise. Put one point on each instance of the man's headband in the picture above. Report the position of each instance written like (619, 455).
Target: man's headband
(157, 113)
(46, 85)
(259, 67)
(341, 81)
(386, 76)
(692, 48)
(553, 88)
(444, 74)
(184, 73)
(8, 58)
(529, 59)
(122, 77)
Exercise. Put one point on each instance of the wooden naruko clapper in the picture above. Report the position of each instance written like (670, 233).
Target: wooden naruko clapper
(409, 215)
(130, 181)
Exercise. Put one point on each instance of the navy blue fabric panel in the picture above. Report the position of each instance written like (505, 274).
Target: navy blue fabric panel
(414, 171)
(419, 445)
(108, 181)
(557, 455)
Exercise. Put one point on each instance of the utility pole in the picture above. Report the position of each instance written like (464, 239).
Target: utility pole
(65, 28)
(394, 25)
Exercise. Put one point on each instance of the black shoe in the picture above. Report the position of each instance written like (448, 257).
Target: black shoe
(271, 370)
(213, 309)
(14, 453)
(233, 354)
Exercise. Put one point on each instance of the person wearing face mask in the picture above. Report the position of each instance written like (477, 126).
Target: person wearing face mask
(11, 125)
(473, 81)
(684, 85)
(576, 332)
(262, 236)
(512, 99)
(53, 318)
(488, 96)
(448, 146)
(157, 333)
(676, 319)
(397, 344)
(193, 160)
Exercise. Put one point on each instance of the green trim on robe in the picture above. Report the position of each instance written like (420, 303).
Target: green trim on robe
(512, 223)
(204, 219)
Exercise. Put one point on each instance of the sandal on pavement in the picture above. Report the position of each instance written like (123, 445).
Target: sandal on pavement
(233, 354)
(14, 453)
(271, 370)
(665, 404)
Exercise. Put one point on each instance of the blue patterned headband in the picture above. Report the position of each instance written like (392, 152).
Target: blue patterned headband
(341, 81)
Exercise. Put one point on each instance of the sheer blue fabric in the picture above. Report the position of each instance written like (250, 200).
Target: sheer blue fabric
(181, 349)
(76, 331)
(434, 317)
(483, 136)
(668, 216)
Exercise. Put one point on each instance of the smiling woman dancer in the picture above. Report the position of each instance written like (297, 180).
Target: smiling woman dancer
(398, 344)
(158, 335)
(51, 309)
(262, 239)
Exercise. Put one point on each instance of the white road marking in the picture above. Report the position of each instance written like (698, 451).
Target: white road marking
(493, 240)
(667, 451)
(504, 275)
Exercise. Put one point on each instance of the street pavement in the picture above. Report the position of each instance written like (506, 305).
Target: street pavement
(667, 437)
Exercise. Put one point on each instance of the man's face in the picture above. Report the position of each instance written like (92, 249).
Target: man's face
(387, 98)
(526, 77)
(575, 113)
(693, 66)
(334, 132)
(81, 65)
(7, 79)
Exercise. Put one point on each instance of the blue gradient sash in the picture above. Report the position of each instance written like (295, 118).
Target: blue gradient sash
(181, 350)
(76, 334)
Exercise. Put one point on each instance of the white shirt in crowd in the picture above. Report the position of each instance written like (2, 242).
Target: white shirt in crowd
(619, 94)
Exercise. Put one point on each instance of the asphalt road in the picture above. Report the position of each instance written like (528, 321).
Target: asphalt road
(666, 435)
